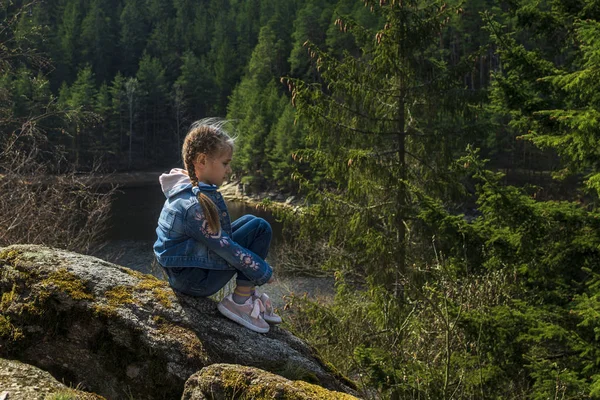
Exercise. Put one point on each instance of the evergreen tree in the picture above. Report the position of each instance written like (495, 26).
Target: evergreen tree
(69, 34)
(83, 91)
(98, 40)
(162, 45)
(82, 97)
(134, 30)
(117, 121)
(288, 137)
(153, 105)
(310, 25)
(131, 92)
(571, 128)
(226, 65)
(256, 104)
(197, 84)
(379, 124)
(184, 22)
(202, 29)
(104, 143)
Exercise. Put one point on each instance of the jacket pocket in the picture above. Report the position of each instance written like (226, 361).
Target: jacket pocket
(166, 220)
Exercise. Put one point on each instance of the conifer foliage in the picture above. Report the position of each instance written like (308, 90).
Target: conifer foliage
(375, 125)
(502, 304)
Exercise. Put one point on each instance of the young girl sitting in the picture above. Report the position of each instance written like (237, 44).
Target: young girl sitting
(198, 246)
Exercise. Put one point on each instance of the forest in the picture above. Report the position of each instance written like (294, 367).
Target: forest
(447, 153)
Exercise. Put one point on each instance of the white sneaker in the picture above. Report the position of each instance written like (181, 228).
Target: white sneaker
(269, 314)
(247, 314)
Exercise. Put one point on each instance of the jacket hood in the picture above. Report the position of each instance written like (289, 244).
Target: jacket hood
(177, 180)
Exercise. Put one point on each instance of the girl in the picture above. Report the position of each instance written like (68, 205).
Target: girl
(198, 246)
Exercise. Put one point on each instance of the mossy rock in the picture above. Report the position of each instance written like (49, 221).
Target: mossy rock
(228, 381)
(124, 334)
(21, 381)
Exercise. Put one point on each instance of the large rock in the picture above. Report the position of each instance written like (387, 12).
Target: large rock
(225, 381)
(20, 381)
(122, 334)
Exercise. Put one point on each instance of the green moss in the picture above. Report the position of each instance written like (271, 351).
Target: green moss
(236, 382)
(69, 283)
(119, 295)
(12, 258)
(294, 372)
(64, 395)
(135, 273)
(124, 294)
(244, 385)
(9, 255)
(8, 298)
(115, 297)
(317, 392)
(73, 394)
(107, 311)
(192, 344)
(159, 288)
(162, 296)
(8, 330)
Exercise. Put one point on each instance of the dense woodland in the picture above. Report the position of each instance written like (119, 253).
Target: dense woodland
(448, 153)
(142, 71)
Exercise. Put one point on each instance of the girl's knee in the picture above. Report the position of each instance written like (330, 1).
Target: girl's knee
(264, 225)
(244, 219)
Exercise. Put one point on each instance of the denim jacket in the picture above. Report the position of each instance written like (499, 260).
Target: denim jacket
(183, 237)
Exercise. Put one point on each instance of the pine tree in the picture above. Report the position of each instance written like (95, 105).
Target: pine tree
(256, 104)
(379, 125)
(131, 91)
(226, 65)
(572, 127)
(197, 83)
(288, 137)
(118, 115)
(82, 97)
(310, 25)
(104, 139)
(153, 105)
(69, 35)
(98, 40)
(134, 31)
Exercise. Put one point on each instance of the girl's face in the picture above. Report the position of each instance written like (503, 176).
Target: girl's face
(214, 170)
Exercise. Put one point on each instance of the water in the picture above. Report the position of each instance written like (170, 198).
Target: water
(135, 212)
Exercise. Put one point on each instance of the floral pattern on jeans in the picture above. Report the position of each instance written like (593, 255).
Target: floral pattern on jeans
(246, 260)
(205, 229)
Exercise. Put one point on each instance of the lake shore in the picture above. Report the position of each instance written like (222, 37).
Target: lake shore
(234, 191)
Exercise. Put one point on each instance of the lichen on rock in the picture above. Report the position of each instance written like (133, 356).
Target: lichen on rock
(226, 381)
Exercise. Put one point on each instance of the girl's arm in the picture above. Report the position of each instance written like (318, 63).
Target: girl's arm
(251, 265)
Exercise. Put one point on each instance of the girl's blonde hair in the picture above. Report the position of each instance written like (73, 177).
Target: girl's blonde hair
(208, 137)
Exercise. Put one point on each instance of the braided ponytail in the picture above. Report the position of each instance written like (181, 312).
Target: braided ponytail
(205, 137)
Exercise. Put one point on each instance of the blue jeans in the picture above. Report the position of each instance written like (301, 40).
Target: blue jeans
(251, 232)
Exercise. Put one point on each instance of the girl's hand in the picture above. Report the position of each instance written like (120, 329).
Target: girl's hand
(272, 279)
